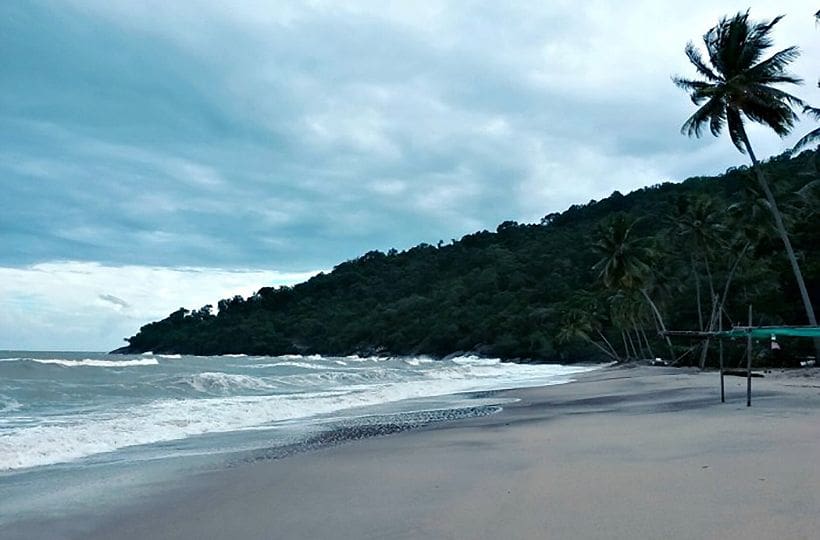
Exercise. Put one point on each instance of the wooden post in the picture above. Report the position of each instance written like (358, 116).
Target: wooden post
(749, 361)
(720, 349)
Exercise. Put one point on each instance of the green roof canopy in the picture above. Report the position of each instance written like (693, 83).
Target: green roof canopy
(768, 331)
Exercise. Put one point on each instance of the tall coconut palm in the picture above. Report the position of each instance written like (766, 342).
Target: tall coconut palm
(736, 85)
(699, 224)
(624, 263)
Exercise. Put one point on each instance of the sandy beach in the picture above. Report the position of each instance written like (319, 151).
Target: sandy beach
(621, 453)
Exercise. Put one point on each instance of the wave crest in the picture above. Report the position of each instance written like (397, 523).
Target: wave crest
(93, 362)
(218, 382)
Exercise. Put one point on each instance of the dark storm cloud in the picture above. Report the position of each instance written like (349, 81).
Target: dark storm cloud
(295, 135)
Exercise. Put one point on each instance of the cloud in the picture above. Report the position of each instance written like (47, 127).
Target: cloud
(294, 135)
(74, 305)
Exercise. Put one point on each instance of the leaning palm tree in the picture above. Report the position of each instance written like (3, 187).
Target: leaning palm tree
(577, 324)
(736, 85)
(625, 263)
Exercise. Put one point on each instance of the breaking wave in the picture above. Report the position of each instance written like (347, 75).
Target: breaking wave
(92, 362)
(97, 411)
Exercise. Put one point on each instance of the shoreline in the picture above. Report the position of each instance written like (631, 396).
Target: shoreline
(622, 452)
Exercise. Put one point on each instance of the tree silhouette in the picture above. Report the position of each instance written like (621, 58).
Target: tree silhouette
(737, 85)
(625, 262)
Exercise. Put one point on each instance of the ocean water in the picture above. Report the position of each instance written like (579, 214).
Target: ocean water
(80, 432)
(79, 409)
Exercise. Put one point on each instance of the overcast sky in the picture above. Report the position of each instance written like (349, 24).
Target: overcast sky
(160, 154)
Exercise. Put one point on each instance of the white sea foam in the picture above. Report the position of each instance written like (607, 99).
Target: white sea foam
(93, 362)
(303, 365)
(170, 356)
(235, 355)
(297, 357)
(8, 404)
(416, 362)
(476, 361)
(225, 382)
(224, 408)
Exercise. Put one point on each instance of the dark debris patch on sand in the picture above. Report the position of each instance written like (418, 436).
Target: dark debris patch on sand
(368, 427)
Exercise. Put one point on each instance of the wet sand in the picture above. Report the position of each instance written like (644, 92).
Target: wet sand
(620, 453)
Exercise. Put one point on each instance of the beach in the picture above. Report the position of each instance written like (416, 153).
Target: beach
(622, 452)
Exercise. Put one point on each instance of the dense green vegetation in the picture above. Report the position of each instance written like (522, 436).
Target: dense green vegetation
(571, 288)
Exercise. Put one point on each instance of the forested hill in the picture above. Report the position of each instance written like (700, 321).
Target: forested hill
(537, 291)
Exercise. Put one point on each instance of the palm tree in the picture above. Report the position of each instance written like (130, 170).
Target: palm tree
(582, 319)
(624, 263)
(698, 224)
(736, 85)
(627, 311)
(580, 324)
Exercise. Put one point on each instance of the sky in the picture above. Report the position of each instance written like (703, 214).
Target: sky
(162, 154)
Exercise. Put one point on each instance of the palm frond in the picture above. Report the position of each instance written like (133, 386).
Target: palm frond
(810, 191)
(775, 95)
(714, 108)
(736, 84)
(758, 41)
(774, 66)
(716, 40)
(697, 60)
(812, 111)
(809, 139)
(764, 109)
(786, 78)
(699, 91)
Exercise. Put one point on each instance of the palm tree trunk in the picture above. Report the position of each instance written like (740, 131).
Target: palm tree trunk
(604, 350)
(697, 292)
(626, 347)
(730, 277)
(639, 354)
(638, 338)
(648, 346)
(609, 345)
(712, 321)
(635, 353)
(712, 295)
(784, 235)
(660, 322)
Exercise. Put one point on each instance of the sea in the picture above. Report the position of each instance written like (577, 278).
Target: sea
(77, 426)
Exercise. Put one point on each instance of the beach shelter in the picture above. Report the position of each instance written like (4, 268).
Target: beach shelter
(749, 333)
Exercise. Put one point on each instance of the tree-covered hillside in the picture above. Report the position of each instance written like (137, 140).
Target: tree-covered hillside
(595, 281)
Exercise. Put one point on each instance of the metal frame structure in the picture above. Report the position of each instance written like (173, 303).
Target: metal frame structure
(747, 332)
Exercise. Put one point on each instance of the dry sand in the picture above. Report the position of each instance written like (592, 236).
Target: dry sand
(621, 453)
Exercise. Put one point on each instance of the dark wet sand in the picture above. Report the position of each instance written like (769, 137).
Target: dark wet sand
(621, 453)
